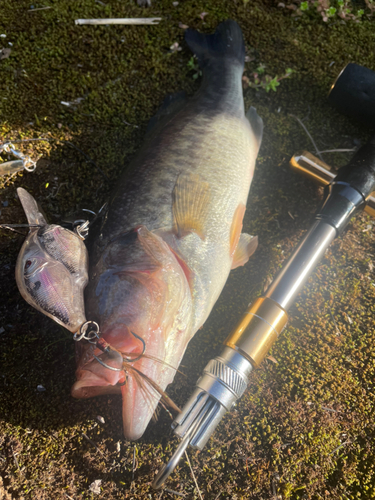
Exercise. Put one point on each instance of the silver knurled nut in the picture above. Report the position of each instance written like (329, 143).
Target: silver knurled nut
(228, 376)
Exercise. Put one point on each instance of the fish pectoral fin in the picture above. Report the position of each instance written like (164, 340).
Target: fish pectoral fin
(256, 123)
(33, 212)
(191, 197)
(245, 249)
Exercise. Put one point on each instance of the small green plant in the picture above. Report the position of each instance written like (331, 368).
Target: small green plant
(194, 66)
(259, 79)
(331, 9)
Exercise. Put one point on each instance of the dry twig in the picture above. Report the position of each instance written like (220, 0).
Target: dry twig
(92, 442)
(129, 21)
(192, 473)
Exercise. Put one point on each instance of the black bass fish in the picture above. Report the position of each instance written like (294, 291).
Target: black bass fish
(172, 233)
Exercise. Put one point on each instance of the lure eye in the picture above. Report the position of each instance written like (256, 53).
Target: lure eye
(30, 266)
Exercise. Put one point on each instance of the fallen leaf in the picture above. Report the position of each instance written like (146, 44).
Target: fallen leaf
(249, 58)
(271, 358)
(175, 47)
(5, 53)
(95, 486)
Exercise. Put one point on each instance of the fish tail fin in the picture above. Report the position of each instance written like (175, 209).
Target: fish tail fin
(226, 43)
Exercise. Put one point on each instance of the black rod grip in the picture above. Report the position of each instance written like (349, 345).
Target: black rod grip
(347, 193)
(353, 93)
(359, 173)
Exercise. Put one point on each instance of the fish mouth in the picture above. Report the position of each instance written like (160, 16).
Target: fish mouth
(140, 375)
(146, 377)
(99, 373)
(140, 398)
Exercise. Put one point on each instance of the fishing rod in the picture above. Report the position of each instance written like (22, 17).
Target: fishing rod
(226, 376)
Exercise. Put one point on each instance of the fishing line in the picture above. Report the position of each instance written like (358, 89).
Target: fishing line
(11, 226)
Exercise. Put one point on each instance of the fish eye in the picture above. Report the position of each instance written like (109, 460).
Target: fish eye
(27, 264)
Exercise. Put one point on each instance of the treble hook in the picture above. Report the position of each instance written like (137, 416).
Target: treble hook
(90, 332)
(107, 366)
(132, 360)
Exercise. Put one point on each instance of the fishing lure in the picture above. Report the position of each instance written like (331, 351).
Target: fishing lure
(52, 268)
(11, 167)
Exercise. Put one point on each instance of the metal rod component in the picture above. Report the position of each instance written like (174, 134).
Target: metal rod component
(129, 21)
(312, 167)
(292, 277)
(169, 467)
(224, 380)
(258, 329)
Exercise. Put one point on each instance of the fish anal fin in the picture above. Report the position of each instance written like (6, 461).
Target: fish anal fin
(191, 196)
(245, 249)
(236, 228)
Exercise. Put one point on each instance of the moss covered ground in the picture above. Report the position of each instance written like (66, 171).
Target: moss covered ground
(305, 426)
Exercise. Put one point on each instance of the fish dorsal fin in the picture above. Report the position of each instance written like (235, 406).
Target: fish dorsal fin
(172, 104)
(256, 123)
(138, 250)
(33, 212)
(245, 249)
(191, 196)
